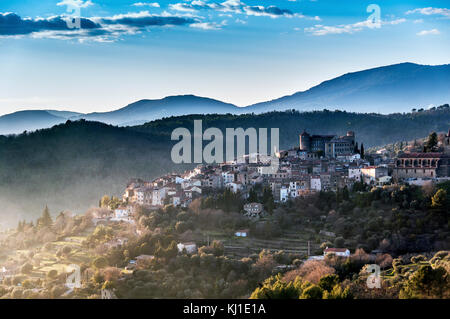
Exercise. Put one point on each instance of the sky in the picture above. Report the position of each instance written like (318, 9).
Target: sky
(241, 52)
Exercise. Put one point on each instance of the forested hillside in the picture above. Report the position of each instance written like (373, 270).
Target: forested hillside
(71, 165)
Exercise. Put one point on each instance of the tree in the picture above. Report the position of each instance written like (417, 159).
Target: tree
(362, 151)
(20, 226)
(312, 292)
(339, 242)
(431, 143)
(218, 248)
(27, 268)
(104, 202)
(268, 200)
(46, 219)
(100, 262)
(275, 288)
(328, 282)
(52, 274)
(66, 250)
(428, 282)
(252, 196)
(439, 200)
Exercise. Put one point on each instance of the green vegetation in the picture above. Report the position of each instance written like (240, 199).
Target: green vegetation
(77, 162)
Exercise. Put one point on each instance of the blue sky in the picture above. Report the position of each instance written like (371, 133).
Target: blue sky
(240, 52)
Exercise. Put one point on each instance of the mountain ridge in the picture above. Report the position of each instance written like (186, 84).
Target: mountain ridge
(386, 89)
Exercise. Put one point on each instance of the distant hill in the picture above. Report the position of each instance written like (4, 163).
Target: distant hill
(18, 122)
(149, 110)
(71, 165)
(28, 121)
(387, 89)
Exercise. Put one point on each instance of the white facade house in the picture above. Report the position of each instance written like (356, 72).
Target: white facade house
(122, 214)
(158, 196)
(354, 173)
(176, 200)
(241, 233)
(383, 180)
(140, 196)
(373, 173)
(253, 210)
(228, 177)
(341, 252)
(235, 186)
(179, 180)
(348, 157)
(316, 184)
(190, 247)
(284, 194)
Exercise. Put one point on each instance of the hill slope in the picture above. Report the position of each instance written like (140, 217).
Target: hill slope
(71, 165)
(28, 121)
(387, 89)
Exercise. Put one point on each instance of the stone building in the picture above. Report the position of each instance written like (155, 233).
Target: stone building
(329, 145)
(421, 165)
(314, 143)
(342, 145)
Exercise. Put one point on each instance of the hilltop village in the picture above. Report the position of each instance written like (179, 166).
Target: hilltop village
(319, 163)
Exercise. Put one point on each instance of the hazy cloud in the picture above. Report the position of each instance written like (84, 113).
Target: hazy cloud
(427, 32)
(319, 30)
(146, 4)
(75, 3)
(431, 11)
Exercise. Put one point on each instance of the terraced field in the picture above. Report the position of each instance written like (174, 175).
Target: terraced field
(45, 260)
(290, 242)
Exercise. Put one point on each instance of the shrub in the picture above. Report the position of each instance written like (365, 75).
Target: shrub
(339, 242)
(418, 258)
(26, 268)
(100, 262)
(52, 274)
(17, 293)
(312, 292)
(66, 250)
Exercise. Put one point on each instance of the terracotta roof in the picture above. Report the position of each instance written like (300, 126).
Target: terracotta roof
(423, 155)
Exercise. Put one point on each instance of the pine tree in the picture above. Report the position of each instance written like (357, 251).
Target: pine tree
(46, 219)
(362, 151)
(252, 196)
(20, 226)
(431, 143)
(355, 149)
(268, 199)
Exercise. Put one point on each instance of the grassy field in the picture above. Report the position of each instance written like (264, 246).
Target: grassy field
(45, 257)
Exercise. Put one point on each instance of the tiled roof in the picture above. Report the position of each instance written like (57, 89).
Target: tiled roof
(423, 155)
